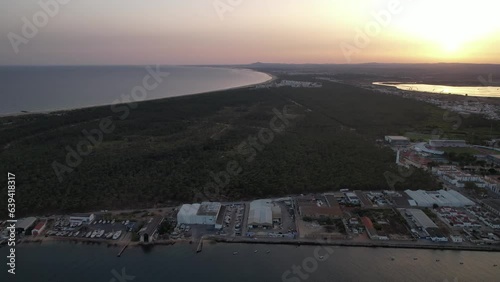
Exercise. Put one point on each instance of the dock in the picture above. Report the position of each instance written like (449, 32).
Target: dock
(200, 246)
(122, 250)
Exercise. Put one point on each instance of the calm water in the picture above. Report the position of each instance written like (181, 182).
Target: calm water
(479, 91)
(56, 88)
(64, 262)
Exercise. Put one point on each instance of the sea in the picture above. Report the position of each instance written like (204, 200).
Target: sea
(220, 262)
(42, 88)
(477, 91)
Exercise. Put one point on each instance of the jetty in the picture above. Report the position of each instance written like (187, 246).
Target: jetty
(200, 246)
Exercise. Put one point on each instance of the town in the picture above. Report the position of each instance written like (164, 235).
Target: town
(463, 214)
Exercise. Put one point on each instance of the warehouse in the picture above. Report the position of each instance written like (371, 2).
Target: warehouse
(24, 224)
(397, 140)
(442, 198)
(420, 219)
(261, 214)
(148, 232)
(81, 218)
(204, 213)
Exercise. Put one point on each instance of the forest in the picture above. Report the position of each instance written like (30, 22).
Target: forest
(235, 144)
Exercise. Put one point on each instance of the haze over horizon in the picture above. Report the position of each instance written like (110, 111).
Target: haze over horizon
(118, 32)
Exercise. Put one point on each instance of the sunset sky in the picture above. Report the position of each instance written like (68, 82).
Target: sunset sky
(281, 31)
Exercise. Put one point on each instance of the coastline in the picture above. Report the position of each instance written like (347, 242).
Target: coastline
(62, 111)
(264, 241)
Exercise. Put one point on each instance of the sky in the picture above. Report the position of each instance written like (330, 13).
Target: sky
(183, 32)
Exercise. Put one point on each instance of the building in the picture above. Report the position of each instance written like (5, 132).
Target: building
(423, 147)
(370, 230)
(24, 224)
(420, 219)
(447, 143)
(82, 218)
(442, 198)
(456, 238)
(148, 232)
(261, 214)
(39, 228)
(205, 213)
(397, 140)
(436, 235)
(352, 198)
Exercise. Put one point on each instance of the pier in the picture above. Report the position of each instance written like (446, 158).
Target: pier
(122, 250)
(200, 246)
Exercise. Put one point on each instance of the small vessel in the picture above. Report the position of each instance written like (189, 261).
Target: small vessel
(255, 251)
(268, 251)
(100, 233)
(495, 265)
(321, 257)
(461, 263)
(415, 258)
(235, 253)
(437, 260)
(117, 235)
(392, 258)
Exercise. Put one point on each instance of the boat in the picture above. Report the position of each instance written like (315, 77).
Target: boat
(94, 233)
(255, 251)
(461, 263)
(321, 257)
(268, 251)
(100, 233)
(235, 253)
(113, 221)
(437, 260)
(117, 235)
(109, 235)
(88, 234)
(100, 221)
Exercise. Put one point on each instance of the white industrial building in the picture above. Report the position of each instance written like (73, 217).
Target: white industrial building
(81, 218)
(420, 219)
(397, 140)
(263, 213)
(442, 198)
(204, 213)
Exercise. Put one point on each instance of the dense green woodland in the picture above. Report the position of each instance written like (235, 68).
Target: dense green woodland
(164, 152)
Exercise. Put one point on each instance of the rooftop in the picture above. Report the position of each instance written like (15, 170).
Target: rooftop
(421, 219)
(209, 208)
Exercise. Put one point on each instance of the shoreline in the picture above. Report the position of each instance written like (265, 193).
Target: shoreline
(62, 111)
(266, 241)
(373, 244)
